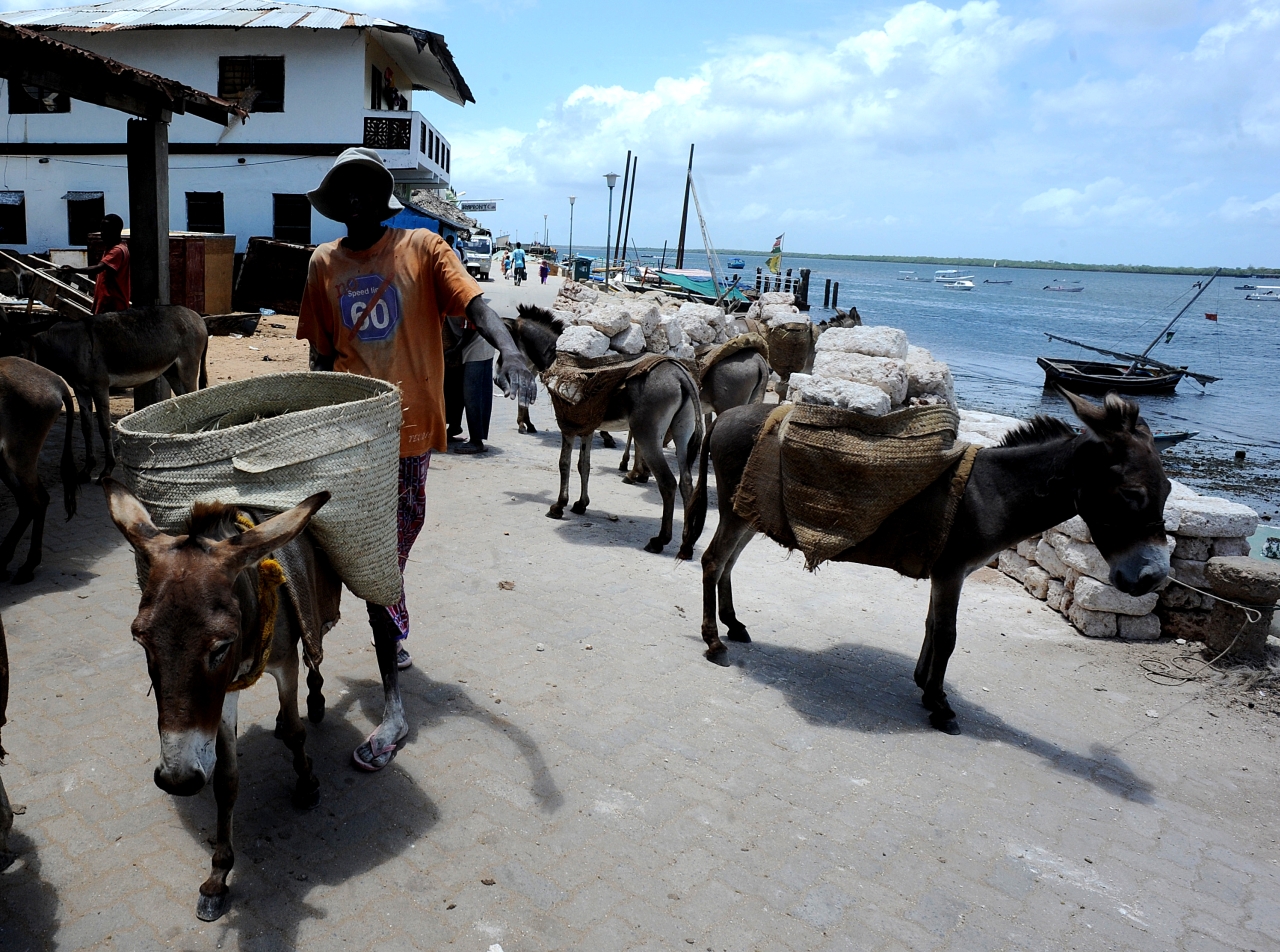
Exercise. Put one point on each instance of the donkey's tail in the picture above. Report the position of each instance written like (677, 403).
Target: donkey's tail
(697, 518)
(67, 468)
(204, 365)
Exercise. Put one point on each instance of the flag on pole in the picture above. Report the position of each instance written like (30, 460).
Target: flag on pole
(775, 256)
(1210, 317)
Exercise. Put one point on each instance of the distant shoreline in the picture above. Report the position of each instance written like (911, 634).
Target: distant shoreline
(1038, 265)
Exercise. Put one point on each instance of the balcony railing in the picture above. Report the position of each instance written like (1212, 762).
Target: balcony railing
(413, 148)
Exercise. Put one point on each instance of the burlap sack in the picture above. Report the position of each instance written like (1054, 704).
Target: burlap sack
(790, 346)
(822, 480)
(733, 345)
(581, 389)
(269, 442)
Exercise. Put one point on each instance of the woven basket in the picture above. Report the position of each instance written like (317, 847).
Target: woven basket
(271, 441)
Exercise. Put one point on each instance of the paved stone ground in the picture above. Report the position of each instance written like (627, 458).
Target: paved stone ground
(621, 792)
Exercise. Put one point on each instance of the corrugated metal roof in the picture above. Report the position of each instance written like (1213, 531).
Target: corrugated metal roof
(425, 56)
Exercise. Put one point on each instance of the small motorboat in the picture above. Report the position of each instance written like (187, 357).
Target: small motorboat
(959, 285)
(1165, 440)
(737, 264)
(989, 281)
(1268, 295)
(1063, 287)
(1246, 287)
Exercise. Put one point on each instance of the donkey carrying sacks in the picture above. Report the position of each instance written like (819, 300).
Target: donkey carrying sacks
(268, 443)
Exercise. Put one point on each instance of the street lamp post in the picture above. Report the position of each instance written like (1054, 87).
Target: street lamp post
(571, 198)
(612, 179)
(546, 236)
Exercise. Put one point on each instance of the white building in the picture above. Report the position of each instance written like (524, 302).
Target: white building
(318, 80)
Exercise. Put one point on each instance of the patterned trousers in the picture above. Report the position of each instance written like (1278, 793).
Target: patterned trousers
(411, 513)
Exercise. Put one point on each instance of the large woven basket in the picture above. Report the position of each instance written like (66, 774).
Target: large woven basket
(271, 441)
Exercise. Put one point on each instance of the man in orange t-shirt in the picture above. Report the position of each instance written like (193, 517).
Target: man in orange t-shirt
(111, 276)
(374, 305)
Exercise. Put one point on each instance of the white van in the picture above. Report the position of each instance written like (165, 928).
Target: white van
(478, 254)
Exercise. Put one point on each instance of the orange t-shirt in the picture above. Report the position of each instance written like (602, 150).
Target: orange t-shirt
(422, 282)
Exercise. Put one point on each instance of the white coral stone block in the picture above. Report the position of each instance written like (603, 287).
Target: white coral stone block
(872, 341)
(1138, 628)
(583, 341)
(1099, 597)
(884, 373)
(1210, 516)
(832, 391)
(630, 341)
(1092, 624)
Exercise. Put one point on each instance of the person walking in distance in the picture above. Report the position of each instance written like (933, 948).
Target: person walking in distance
(544, 269)
(517, 264)
(374, 304)
(112, 289)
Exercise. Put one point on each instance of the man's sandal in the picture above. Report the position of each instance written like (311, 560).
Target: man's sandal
(372, 756)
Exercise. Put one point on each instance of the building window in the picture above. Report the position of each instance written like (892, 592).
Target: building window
(84, 215)
(262, 77)
(204, 212)
(375, 88)
(292, 221)
(422, 139)
(446, 161)
(13, 218)
(26, 100)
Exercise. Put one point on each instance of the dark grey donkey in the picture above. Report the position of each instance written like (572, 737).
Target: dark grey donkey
(122, 349)
(651, 404)
(30, 400)
(738, 380)
(1041, 474)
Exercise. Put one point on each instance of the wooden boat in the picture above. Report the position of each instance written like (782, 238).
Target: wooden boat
(1095, 376)
(1063, 287)
(1138, 374)
(989, 281)
(1264, 296)
(1165, 440)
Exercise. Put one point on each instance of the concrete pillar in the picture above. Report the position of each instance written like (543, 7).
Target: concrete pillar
(148, 157)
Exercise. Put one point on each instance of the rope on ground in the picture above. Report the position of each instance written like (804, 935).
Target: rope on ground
(1172, 673)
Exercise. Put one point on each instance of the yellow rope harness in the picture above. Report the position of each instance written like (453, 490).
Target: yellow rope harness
(270, 578)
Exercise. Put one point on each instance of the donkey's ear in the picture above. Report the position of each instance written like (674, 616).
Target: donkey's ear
(247, 548)
(1088, 412)
(130, 515)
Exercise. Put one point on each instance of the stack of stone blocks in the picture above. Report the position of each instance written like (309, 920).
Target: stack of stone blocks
(1208, 539)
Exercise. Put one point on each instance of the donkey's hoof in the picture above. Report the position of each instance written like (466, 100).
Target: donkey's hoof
(717, 653)
(738, 632)
(948, 725)
(211, 908)
(315, 709)
(685, 553)
(608, 441)
(655, 545)
(628, 479)
(23, 576)
(555, 512)
(579, 508)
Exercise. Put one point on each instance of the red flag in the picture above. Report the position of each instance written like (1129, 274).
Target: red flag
(1210, 317)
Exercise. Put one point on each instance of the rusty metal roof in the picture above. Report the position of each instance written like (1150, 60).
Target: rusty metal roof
(30, 57)
(423, 55)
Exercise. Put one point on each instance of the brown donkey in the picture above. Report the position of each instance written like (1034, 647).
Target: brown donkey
(30, 398)
(201, 621)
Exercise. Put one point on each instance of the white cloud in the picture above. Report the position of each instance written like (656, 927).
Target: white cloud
(1238, 210)
(1107, 200)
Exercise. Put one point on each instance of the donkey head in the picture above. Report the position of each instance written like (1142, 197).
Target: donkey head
(190, 620)
(1121, 490)
(535, 332)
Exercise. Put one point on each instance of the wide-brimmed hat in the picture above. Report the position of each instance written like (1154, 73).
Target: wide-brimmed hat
(332, 206)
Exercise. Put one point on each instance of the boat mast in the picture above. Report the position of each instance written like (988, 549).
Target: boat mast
(684, 215)
(1202, 288)
(626, 177)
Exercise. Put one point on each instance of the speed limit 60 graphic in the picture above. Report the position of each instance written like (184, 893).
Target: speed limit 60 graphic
(355, 299)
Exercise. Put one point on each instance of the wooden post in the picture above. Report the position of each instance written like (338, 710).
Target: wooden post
(684, 214)
(758, 280)
(803, 294)
(626, 175)
(631, 200)
(835, 294)
(148, 158)
(826, 294)
(788, 285)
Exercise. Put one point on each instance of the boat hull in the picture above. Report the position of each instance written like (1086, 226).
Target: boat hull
(1089, 376)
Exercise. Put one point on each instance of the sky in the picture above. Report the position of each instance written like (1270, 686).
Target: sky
(1106, 131)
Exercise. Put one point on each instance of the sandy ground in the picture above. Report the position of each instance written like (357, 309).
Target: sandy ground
(578, 777)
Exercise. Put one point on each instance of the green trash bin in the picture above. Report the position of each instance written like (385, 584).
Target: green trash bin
(582, 269)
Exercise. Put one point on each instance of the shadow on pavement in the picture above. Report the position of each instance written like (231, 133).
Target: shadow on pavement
(865, 688)
(28, 904)
(363, 820)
